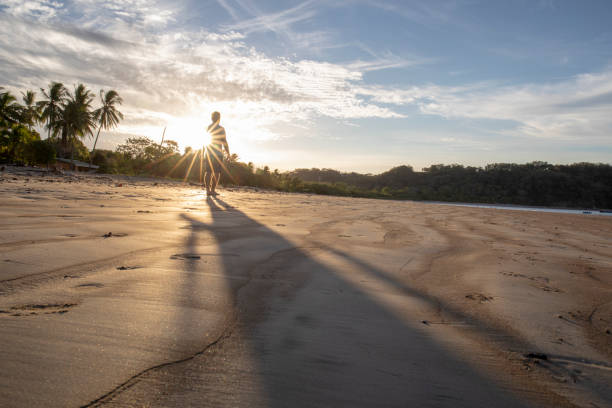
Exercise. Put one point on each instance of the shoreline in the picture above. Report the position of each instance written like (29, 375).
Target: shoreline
(519, 207)
(153, 179)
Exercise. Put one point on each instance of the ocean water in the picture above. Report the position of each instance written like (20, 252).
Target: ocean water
(524, 208)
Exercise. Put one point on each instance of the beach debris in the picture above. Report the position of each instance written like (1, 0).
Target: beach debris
(608, 331)
(118, 184)
(144, 211)
(537, 356)
(127, 268)
(425, 322)
(185, 256)
(115, 234)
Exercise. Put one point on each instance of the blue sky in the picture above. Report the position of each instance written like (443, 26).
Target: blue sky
(356, 85)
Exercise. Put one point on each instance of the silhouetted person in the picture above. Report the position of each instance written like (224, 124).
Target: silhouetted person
(214, 154)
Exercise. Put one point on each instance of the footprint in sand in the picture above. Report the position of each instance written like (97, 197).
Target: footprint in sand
(90, 285)
(547, 288)
(479, 297)
(37, 309)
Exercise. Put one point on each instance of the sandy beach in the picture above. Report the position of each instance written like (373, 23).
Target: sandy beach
(132, 292)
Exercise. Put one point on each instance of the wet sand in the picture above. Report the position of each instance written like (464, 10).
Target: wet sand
(132, 292)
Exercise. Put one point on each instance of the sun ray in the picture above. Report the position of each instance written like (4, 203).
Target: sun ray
(188, 172)
(201, 162)
(222, 165)
(164, 157)
(177, 164)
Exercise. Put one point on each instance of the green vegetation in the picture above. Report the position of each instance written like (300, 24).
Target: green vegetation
(583, 185)
(70, 117)
(107, 115)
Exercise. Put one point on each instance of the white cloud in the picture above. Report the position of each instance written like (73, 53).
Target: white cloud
(576, 108)
(278, 22)
(175, 73)
(40, 9)
(172, 73)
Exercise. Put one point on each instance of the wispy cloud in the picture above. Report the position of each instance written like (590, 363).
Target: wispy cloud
(176, 73)
(279, 22)
(574, 109)
(41, 9)
(385, 60)
(165, 70)
(229, 9)
(422, 12)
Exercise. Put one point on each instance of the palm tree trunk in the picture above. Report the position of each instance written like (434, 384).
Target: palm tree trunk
(64, 139)
(72, 153)
(50, 124)
(94, 147)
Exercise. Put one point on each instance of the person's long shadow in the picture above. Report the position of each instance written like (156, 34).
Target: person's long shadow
(313, 337)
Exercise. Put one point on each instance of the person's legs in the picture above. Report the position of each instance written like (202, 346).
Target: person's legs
(215, 162)
(214, 179)
(208, 178)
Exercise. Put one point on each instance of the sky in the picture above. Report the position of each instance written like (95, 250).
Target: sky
(354, 85)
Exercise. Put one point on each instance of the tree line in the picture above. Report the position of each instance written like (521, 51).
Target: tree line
(581, 185)
(142, 156)
(67, 116)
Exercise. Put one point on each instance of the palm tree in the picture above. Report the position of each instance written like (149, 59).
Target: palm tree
(107, 115)
(76, 117)
(50, 108)
(31, 110)
(10, 110)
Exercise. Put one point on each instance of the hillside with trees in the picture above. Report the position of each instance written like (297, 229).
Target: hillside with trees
(584, 185)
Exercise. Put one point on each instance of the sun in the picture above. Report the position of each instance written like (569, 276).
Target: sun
(189, 131)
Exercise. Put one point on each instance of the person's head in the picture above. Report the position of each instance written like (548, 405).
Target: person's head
(215, 117)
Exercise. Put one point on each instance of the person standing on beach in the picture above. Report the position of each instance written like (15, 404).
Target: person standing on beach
(213, 158)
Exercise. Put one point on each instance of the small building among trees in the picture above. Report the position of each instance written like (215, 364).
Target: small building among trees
(67, 164)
